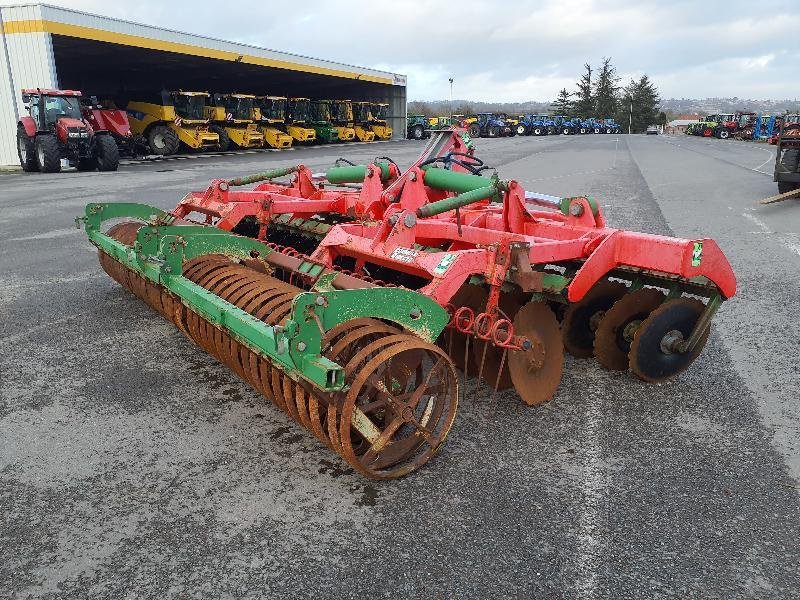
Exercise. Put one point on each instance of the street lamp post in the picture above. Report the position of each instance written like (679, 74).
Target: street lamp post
(630, 120)
(451, 98)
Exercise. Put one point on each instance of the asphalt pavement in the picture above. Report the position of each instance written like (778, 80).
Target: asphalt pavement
(132, 465)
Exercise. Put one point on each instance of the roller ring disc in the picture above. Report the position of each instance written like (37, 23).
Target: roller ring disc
(536, 373)
(577, 322)
(647, 360)
(611, 345)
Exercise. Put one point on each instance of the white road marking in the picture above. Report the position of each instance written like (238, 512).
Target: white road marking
(757, 221)
(790, 245)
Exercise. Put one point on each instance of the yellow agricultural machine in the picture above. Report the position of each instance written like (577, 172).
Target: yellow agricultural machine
(233, 116)
(379, 113)
(362, 121)
(171, 118)
(271, 119)
(342, 118)
(297, 115)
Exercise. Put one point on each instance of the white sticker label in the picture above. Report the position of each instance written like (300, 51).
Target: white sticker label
(404, 255)
(443, 265)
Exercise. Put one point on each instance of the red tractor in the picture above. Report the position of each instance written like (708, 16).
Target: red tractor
(730, 125)
(115, 121)
(55, 130)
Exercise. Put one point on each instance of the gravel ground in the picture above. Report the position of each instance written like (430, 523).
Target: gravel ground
(132, 465)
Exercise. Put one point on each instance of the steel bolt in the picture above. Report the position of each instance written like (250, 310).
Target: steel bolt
(301, 346)
(410, 220)
(393, 220)
(412, 176)
(320, 300)
(415, 313)
(576, 210)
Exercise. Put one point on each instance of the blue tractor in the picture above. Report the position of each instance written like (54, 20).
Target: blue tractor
(489, 125)
(585, 126)
(612, 126)
(565, 125)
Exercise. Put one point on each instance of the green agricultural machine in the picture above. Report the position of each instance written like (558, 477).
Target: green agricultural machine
(320, 120)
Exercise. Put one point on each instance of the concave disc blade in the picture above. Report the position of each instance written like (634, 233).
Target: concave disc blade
(536, 373)
(612, 340)
(474, 297)
(581, 318)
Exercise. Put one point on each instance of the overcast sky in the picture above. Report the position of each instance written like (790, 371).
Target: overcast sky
(513, 50)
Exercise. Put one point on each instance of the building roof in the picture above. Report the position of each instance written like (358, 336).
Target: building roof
(681, 122)
(31, 18)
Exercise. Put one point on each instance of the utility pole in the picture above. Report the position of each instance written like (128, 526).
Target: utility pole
(630, 121)
(451, 99)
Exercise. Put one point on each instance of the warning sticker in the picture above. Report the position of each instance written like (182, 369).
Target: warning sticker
(404, 255)
(443, 265)
(697, 254)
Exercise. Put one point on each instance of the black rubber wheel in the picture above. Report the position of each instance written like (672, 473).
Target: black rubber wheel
(48, 154)
(418, 132)
(474, 130)
(565, 131)
(106, 153)
(790, 161)
(648, 359)
(521, 130)
(582, 318)
(787, 186)
(609, 130)
(583, 130)
(224, 139)
(494, 132)
(162, 140)
(26, 151)
(538, 131)
(724, 134)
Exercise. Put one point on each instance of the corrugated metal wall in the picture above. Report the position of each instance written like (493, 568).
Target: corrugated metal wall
(26, 61)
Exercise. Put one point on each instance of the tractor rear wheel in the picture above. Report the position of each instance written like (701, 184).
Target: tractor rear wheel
(106, 153)
(25, 151)
(418, 132)
(224, 138)
(724, 134)
(521, 130)
(790, 163)
(566, 131)
(162, 140)
(474, 130)
(494, 132)
(538, 131)
(48, 155)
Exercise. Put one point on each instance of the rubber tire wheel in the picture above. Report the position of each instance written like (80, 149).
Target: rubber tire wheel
(790, 161)
(597, 130)
(28, 164)
(224, 143)
(646, 359)
(609, 131)
(724, 134)
(418, 132)
(565, 131)
(576, 326)
(494, 132)
(474, 131)
(538, 131)
(583, 130)
(521, 130)
(162, 140)
(787, 186)
(106, 153)
(48, 154)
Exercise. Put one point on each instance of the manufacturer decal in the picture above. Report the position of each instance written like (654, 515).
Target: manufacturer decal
(697, 254)
(404, 255)
(447, 260)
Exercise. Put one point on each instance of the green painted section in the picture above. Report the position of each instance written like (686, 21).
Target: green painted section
(453, 181)
(354, 173)
(441, 206)
(264, 176)
(326, 133)
(565, 202)
(161, 250)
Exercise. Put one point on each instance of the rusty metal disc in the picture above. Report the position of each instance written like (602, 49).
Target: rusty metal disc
(536, 372)
(651, 357)
(582, 318)
(612, 340)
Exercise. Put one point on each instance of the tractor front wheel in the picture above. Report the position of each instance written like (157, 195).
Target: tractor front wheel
(26, 151)
(724, 134)
(48, 155)
(538, 131)
(521, 130)
(107, 153)
(566, 131)
(474, 131)
(418, 132)
(162, 140)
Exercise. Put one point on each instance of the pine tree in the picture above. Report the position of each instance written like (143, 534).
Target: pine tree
(640, 104)
(563, 103)
(606, 90)
(584, 105)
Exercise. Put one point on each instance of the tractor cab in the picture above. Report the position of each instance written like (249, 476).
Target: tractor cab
(379, 114)
(272, 109)
(298, 110)
(190, 107)
(54, 132)
(239, 108)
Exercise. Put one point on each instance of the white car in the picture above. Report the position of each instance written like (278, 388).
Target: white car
(652, 130)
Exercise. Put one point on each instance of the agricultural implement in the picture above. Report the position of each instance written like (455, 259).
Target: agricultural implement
(271, 119)
(297, 117)
(351, 298)
(115, 121)
(168, 119)
(234, 117)
(55, 132)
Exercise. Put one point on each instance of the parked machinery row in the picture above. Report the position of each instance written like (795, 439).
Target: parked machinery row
(65, 128)
(742, 126)
(501, 125)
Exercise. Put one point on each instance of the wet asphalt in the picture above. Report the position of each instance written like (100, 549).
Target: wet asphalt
(132, 465)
